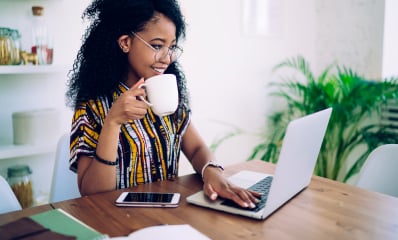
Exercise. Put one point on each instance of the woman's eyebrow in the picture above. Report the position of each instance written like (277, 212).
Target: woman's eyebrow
(162, 40)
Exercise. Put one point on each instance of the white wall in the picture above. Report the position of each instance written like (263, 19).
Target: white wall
(390, 46)
(350, 33)
(228, 72)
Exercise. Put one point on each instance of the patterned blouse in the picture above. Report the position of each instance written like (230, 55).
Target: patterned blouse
(148, 149)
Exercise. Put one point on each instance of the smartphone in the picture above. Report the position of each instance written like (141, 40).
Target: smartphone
(148, 199)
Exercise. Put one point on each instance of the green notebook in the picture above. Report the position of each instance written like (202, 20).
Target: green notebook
(62, 222)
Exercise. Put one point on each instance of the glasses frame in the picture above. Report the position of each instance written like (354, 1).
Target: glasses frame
(170, 52)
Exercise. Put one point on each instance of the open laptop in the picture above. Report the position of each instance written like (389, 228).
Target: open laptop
(296, 163)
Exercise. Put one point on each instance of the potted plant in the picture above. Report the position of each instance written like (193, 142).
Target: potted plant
(354, 129)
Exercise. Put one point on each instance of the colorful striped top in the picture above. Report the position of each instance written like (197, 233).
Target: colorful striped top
(148, 148)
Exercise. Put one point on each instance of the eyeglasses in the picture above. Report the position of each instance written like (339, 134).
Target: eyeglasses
(173, 52)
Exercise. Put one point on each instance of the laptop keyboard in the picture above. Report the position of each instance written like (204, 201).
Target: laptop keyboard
(261, 186)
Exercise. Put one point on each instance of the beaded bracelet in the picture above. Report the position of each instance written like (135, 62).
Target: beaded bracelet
(110, 163)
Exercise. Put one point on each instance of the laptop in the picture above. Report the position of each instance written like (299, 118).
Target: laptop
(301, 145)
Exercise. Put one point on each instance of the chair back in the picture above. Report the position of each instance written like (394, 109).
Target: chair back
(380, 171)
(64, 181)
(8, 200)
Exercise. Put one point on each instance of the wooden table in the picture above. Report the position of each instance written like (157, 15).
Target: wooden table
(325, 210)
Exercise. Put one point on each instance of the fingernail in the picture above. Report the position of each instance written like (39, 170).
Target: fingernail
(252, 205)
(213, 196)
(245, 205)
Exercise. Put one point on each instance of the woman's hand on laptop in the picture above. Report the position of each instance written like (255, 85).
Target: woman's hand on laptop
(215, 185)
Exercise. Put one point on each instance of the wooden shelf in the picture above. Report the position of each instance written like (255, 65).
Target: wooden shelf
(32, 69)
(15, 151)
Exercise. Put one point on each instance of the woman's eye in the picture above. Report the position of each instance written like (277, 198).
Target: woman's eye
(174, 47)
(157, 46)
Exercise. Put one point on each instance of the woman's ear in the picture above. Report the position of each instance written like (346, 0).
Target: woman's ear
(124, 43)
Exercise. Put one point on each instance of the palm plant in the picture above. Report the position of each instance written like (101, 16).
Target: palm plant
(354, 125)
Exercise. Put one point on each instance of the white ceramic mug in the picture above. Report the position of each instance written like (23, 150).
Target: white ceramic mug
(162, 94)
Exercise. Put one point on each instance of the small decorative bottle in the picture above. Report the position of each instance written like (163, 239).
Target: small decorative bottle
(40, 37)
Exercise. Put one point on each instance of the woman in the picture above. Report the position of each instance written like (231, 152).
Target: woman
(116, 140)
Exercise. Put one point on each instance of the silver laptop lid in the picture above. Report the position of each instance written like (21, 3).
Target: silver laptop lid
(297, 159)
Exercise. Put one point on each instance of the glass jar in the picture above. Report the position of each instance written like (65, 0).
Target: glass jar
(6, 46)
(16, 51)
(19, 178)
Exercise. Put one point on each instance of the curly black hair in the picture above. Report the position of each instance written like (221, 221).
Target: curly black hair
(100, 65)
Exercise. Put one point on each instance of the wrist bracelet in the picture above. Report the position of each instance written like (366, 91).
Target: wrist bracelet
(212, 164)
(110, 163)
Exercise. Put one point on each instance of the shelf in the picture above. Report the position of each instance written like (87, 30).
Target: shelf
(15, 151)
(32, 69)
